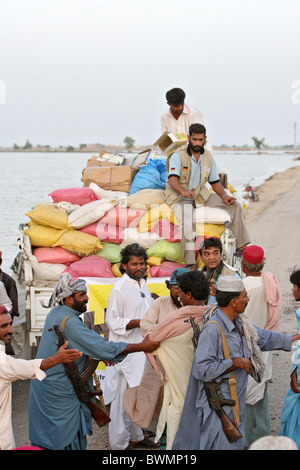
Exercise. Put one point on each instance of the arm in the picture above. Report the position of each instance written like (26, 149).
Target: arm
(176, 186)
(219, 189)
(63, 356)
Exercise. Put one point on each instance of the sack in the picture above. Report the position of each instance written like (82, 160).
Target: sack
(90, 266)
(47, 271)
(123, 217)
(79, 243)
(110, 252)
(115, 269)
(169, 251)
(210, 215)
(56, 255)
(47, 214)
(165, 269)
(166, 230)
(78, 196)
(153, 175)
(41, 235)
(209, 230)
(145, 198)
(146, 239)
(155, 214)
(90, 213)
(105, 232)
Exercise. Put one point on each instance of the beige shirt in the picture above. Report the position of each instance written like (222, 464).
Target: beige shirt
(12, 369)
(159, 309)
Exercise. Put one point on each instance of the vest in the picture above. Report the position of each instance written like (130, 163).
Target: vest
(202, 192)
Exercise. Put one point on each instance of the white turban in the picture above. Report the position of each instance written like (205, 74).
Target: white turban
(66, 286)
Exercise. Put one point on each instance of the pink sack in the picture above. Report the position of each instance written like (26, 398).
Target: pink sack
(105, 232)
(165, 229)
(123, 217)
(55, 255)
(91, 266)
(165, 269)
(79, 196)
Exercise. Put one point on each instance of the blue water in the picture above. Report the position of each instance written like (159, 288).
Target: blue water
(28, 178)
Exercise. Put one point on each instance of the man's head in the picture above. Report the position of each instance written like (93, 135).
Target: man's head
(175, 99)
(70, 291)
(232, 294)
(211, 252)
(133, 262)
(193, 286)
(6, 330)
(253, 259)
(172, 284)
(197, 137)
(295, 280)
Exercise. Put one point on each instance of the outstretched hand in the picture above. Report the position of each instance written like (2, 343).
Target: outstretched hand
(65, 355)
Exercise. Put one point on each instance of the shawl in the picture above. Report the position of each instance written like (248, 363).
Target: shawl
(273, 298)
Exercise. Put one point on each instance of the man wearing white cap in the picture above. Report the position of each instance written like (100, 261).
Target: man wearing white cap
(200, 427)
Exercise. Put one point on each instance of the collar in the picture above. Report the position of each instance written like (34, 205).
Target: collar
(185, 110)
(228, 323)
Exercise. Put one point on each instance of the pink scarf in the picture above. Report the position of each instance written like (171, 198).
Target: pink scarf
(273, 297)
(173, 325)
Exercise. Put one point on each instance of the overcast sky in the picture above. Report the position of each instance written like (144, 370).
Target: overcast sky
(87, 71)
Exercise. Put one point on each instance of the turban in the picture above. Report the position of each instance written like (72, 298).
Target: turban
(230, 284)
(3, 309)
(253, 254)
(66, 286)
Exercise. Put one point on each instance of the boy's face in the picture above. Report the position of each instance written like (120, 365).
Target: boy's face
(296, 291)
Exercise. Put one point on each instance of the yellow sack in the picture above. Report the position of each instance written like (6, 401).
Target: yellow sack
(115, 269)
(79, 243)
(209, 230)
(41, 235)
(163, 211)
(155, 261)
(47, 214)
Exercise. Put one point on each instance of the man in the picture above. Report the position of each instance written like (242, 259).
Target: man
(176, 351)
(263, 309)
(128, 302)
(200, 427)
(14, 369)
(11, 290)
(189, 170)
(211, 254)
(57, 419)
(290, 415)
(162, 306)
(4, 299)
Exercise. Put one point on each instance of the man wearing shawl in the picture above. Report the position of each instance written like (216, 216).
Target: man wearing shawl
(200, 427)
(176, 350)
(263, 310)
(57, 419)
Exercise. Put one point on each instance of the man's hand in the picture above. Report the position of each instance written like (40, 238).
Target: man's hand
(242, 363)
(189, 193)
(229, 199)
(62, 356)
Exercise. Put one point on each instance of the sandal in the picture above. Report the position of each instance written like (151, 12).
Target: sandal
(146, 442)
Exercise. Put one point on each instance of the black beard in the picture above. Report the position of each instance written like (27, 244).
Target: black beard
(197, 148)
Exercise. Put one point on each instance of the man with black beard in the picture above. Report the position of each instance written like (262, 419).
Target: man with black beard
(128, 302)
(189, 170)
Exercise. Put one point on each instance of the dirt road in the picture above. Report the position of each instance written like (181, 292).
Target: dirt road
(273, 224)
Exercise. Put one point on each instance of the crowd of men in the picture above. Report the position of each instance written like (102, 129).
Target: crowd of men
(191, 361)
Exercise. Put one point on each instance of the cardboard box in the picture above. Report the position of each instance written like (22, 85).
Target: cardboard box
(114, 178)
(169, 143)
(98, 161)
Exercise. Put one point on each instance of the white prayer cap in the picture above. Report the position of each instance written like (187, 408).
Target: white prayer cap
(230, 284)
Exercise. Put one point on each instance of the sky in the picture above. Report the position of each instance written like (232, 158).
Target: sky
(96, 71)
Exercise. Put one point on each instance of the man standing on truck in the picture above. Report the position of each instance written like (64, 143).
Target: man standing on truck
(58, 420)
(12, 369)
(128, 302)
(189, 170)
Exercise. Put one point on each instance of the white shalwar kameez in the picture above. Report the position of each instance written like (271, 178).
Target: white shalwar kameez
(128, 301)
(12, 369)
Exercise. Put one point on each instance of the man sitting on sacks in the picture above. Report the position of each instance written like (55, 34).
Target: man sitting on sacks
(211, 254)
(189, 170)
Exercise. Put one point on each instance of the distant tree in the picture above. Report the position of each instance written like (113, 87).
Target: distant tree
(258, 143)
(129, 142)
(70, 148)
(27, 145)
(82, 146)
(16, 147)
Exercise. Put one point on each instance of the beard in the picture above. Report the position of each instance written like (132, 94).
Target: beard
(197, 148)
